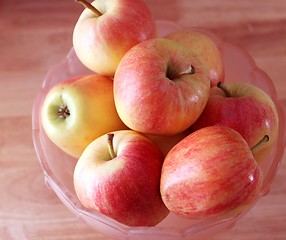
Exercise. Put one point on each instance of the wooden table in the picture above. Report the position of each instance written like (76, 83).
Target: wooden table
(36, 34)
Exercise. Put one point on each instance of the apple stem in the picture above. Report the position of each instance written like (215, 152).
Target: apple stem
(110, 145)
(260, 143)
(90, 7)
(63, 112)
(189, 70)
(224, 89)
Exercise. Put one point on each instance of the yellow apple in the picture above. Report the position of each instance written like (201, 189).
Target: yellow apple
(78, 110)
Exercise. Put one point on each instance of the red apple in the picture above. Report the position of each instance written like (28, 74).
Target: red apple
(210, 173)
(106, 30)
(206, 50)
(245, 108)
(160, 87)
(120, 178)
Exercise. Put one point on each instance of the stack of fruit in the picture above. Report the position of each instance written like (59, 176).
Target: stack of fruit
(157, 128)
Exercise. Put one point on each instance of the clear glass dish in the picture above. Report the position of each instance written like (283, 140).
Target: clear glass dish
(58, 167)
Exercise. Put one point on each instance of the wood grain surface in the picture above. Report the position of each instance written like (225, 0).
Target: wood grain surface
(34, 35)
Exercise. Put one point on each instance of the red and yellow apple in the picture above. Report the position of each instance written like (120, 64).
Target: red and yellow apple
(78, 110)
(210, 173)
(205, 49)
(247, 109)
(106, 30)
(118, 174)
(160, 87)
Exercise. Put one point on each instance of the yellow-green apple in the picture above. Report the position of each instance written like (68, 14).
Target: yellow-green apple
(205, 49)
(78, 110)
(245, 108)
(210, 173)
(118, 175)
(107, 29)
(160, 87)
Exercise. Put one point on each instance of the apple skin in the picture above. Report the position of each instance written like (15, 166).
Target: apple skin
(92, 112)
(127, 187)
(166, 143)
(211, 173)
(101, 42)
(152, 81)
(206, 50)
(249, 111)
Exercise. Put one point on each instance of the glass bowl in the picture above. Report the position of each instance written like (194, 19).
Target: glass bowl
(58, 167)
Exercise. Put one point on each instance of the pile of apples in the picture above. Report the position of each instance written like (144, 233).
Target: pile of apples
(157, 128)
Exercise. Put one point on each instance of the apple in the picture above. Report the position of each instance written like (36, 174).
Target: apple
(118, 174)
(106, 30)
(206, 50)
(166, 143)
(78, 110)
(211, 173)
(247, 109)
(160, 87)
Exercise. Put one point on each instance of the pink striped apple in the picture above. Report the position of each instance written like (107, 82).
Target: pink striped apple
(160, 87)
(210, 173)
(245, 108)
(118, 175)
